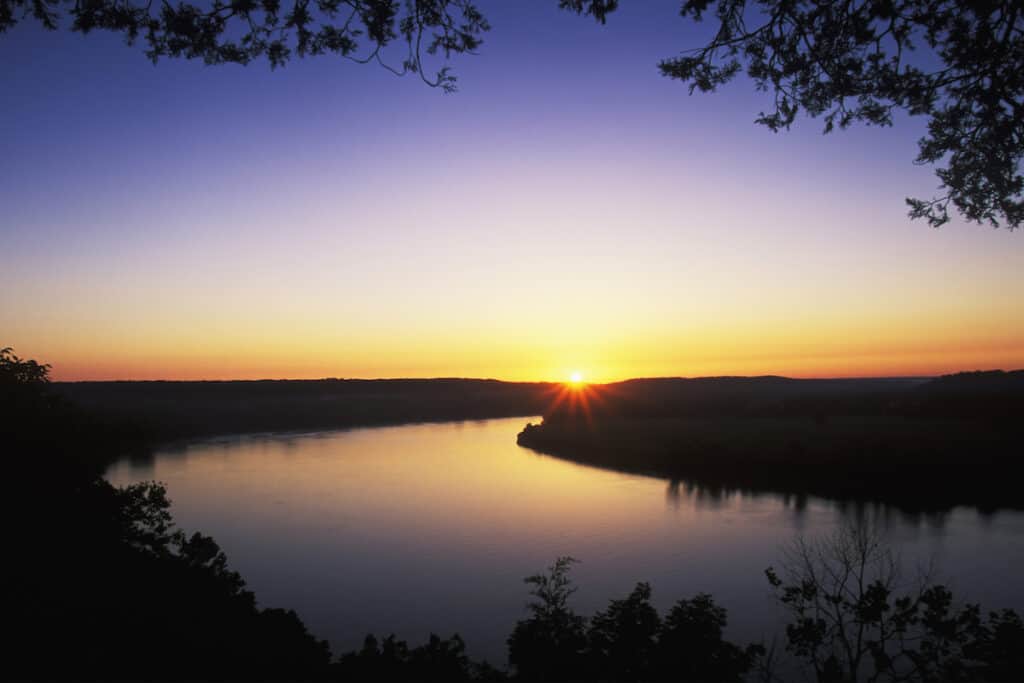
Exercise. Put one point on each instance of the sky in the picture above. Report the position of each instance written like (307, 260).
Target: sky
(568, 210)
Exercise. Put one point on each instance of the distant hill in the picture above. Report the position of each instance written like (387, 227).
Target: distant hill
(962, 394)
(952, 440)
(736, 396)
(170, 410)
(987, 381)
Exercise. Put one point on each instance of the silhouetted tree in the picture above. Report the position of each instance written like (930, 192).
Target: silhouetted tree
(441, 660)
(437, 660)
(622, 640)
(849, 624)
(18, 372)
(98, 582)
(627, 641)
(959, 63)
(691, 647)
(239, 31)
(549, 645)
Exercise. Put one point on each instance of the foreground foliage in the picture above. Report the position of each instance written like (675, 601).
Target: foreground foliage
(628, 641)
(239, 31)
(854, 618)
(98, 582)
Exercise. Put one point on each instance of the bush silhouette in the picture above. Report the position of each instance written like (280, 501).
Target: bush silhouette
(852, 619)
(130, 595)
(622, 640)
(392, 660)
(549, 645)
(691, 647)
(627, 641)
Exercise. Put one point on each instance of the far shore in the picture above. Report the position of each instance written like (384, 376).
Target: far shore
(168, 412)
(955, 440)
(913, 443)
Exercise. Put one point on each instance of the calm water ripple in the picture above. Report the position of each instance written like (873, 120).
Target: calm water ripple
(432, 527)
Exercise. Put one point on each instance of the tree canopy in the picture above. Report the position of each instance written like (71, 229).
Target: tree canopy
(961, 64)
(240, 31)
(958, 63)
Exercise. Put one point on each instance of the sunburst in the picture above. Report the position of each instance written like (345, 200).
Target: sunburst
(575, 398)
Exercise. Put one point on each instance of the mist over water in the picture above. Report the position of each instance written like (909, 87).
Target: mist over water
(432, 527)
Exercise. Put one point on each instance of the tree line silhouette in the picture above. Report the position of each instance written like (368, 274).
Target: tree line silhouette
(153, 411)
(915, 444)
(99, 583)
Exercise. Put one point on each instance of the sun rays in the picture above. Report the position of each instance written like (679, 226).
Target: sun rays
(575, 398)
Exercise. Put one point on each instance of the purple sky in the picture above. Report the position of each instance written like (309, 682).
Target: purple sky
(567, 209)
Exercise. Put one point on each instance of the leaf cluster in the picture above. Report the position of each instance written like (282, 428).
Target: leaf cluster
(240, 31)
(439, 659)
(19, 371)
(960, 64)
(851, 621)
(627, 641)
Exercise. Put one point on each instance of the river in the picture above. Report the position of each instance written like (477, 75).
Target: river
(432, 527)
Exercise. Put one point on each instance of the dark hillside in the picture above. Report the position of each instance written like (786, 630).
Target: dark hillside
(166, 410)
(913, 443)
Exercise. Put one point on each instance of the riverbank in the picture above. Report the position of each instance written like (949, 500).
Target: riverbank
(160, 412)
(916, 464)
(916, 445)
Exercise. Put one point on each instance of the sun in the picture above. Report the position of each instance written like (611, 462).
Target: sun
(576, 377)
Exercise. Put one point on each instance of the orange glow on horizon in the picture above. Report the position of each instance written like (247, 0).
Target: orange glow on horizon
(927, 365)
(611, 362)
(528, 345)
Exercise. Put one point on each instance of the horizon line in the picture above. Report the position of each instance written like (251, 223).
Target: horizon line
(503, 381)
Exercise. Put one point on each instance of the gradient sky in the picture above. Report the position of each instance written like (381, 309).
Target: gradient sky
(567, 209)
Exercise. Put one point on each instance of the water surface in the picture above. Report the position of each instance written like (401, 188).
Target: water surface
(431, 527)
